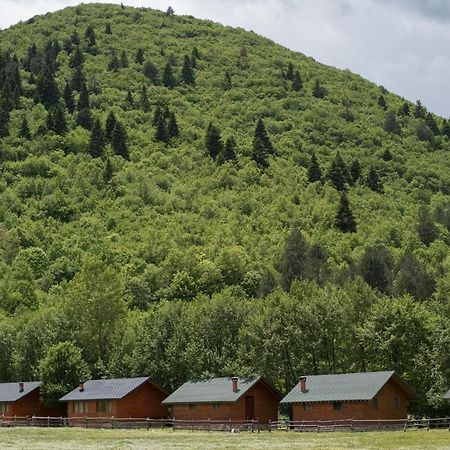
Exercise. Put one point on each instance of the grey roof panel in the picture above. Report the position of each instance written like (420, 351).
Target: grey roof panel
(341, 387)
(447, 395)
(10, 392)
(112, 389)
(215, 390)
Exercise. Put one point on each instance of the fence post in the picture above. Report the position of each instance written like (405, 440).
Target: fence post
(428, 424)
(318, 425)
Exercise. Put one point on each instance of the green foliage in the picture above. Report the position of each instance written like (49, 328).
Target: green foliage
(61, 370)
(345, 220)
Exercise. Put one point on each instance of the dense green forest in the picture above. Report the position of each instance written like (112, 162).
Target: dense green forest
(181, 199)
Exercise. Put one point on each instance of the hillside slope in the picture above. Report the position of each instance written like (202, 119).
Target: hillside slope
(101, 224)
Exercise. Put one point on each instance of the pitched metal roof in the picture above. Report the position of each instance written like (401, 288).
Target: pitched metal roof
(215, 390)
(344, 387)
(10, 392)
(447, 395)
(112, 389)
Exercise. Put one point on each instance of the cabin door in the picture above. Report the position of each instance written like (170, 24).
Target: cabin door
(249, 407)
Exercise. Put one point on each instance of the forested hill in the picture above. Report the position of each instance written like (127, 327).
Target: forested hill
(182, 199)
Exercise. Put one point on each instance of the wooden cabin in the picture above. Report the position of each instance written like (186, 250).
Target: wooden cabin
(363, 396)
(23, 399)
(124, 397)
(227, 398)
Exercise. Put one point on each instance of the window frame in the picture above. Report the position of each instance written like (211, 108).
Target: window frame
(80, 407)
(375, 403)
(337, 406)
(103, 406)
(4, 407)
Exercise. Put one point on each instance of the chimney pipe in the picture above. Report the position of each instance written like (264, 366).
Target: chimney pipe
(234, 384)
(303, 384)
(21, 387)
(81, 388)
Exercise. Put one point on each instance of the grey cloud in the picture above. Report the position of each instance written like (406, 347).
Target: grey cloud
(434, 9)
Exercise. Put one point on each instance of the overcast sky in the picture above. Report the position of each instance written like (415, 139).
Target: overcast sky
(403, 45)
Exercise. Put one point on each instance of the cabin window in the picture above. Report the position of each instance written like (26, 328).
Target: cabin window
(216, 406)
(375, 403)
(3, 407)
(396, 403)
(80, 407)
(307, 406)
(337, 406)
(192, 406)
(104, 406)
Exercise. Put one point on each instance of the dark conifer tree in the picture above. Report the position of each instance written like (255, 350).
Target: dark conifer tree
(24, 131)
(213, 141)
(76, 58)
(426, 228)
(390, 123)
(90, 36)
(382, 102)
(139, 56)
(75, 39)
(59, 121)
(419, 110)
(262, 147)
(187, 73)
(431, 123)
(30, 60)
(290, 72)
(68, 98)
(318, 90)
(387, 155)
(168, 78)
(114, 64)
(297, 83)
(83, 100)
(97, 140)
(229, 151)
(84, 118)
(47, 89)
(158, 113)
(405, 110)
(110, 125)
(314, 171)
(293, 264)
(151, 72)
(227, 82)
(172, 127)
(196, 53)
(123, 59)
(129, 99)
(77, 79)
(108, 29)
(170, 11)
(338, 173)
(446, 128)
(119, 141)
(373, 181)
(144, 102)
(108, 171)
(345, 221)
(161, 134)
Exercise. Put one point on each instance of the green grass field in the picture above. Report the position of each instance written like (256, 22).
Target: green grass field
(48, 439)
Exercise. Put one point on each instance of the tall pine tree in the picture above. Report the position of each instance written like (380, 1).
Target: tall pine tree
(187, 72)
(168, 78)
(213, 141)
(119, 141)
(314, 171)
(97, 140)
(345, 221)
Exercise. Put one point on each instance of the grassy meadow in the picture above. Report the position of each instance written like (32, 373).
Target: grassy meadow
(48, 439)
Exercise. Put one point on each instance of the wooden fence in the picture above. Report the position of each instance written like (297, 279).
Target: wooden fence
(360, 424)
(226, 425)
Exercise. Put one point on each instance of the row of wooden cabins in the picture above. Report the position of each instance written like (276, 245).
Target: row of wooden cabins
(363, 396)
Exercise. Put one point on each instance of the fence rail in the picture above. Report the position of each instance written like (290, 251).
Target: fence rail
(360, 424)
(226, 425)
